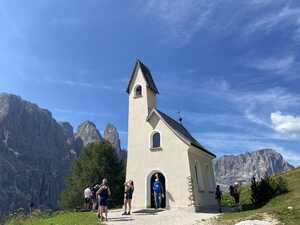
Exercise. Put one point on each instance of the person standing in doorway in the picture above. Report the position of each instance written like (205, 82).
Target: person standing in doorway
(158, 192)
(103, 193)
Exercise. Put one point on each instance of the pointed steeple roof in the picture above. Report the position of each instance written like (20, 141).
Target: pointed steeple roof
(147, 75)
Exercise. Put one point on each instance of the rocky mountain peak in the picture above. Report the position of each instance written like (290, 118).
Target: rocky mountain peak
(231, 168)
(13, 105)
(88, 133)
(34, 155)
(112, 136)
(67, 128)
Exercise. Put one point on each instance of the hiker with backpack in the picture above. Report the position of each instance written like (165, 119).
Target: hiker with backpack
(218, 195)
(158, 192)
(103, 194)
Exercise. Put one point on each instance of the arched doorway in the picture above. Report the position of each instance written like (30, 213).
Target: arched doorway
(163, 182)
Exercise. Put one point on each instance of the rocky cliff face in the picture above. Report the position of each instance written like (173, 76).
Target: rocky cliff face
(232, 168)
(35, 155)
(112, 136)
(37, 152)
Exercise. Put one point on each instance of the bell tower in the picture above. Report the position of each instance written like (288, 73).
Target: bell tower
(142, 93)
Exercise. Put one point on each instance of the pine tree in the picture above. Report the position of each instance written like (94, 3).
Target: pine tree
(96, 161)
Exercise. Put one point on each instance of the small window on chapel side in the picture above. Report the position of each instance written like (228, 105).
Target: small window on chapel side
(155, 140)
(138, 91)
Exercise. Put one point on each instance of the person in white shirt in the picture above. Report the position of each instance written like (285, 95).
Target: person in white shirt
(87, 198)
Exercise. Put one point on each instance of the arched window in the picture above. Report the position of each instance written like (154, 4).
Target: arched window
(156, 140)
(138, 91)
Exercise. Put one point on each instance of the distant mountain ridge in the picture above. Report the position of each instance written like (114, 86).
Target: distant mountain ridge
(232, 168)
(37, 153)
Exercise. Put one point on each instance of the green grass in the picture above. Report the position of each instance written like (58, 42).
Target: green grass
(276, 207)
(66, 218)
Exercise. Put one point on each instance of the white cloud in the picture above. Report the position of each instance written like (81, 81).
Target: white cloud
(255, 106)
(275, 65)
(285, 16)
(274, 97)
(181, 19)
(253, 117)
(286, 124)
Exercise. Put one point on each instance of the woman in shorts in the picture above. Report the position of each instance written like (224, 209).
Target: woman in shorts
(103, 193)
(129, 188)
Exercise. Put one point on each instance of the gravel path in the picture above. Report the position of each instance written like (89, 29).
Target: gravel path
(166, 217)
(254, 222)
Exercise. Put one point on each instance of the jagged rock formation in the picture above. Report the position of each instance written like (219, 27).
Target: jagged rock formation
(111, 135)
(232, 168)
(37, 152)
(88, 133)
(35, 155)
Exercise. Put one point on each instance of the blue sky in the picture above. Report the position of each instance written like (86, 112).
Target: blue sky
(231, 67)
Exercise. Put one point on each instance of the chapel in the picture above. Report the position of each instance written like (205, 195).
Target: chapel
(159, 145)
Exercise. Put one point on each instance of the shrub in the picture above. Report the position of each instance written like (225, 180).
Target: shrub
(267, 188)
(96, 161)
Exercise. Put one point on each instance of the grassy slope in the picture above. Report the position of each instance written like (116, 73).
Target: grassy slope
(278, 206)
(68, 218)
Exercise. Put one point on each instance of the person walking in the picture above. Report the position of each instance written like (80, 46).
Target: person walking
(236, 195)
(87, 198)
(158, 193)
(218, 195)
(129, 188)
(103, 193)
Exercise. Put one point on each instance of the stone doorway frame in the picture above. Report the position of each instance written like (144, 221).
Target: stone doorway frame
(148, 188)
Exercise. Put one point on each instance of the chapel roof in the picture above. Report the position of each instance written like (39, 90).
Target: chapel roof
(179, 128)
(147, 75)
